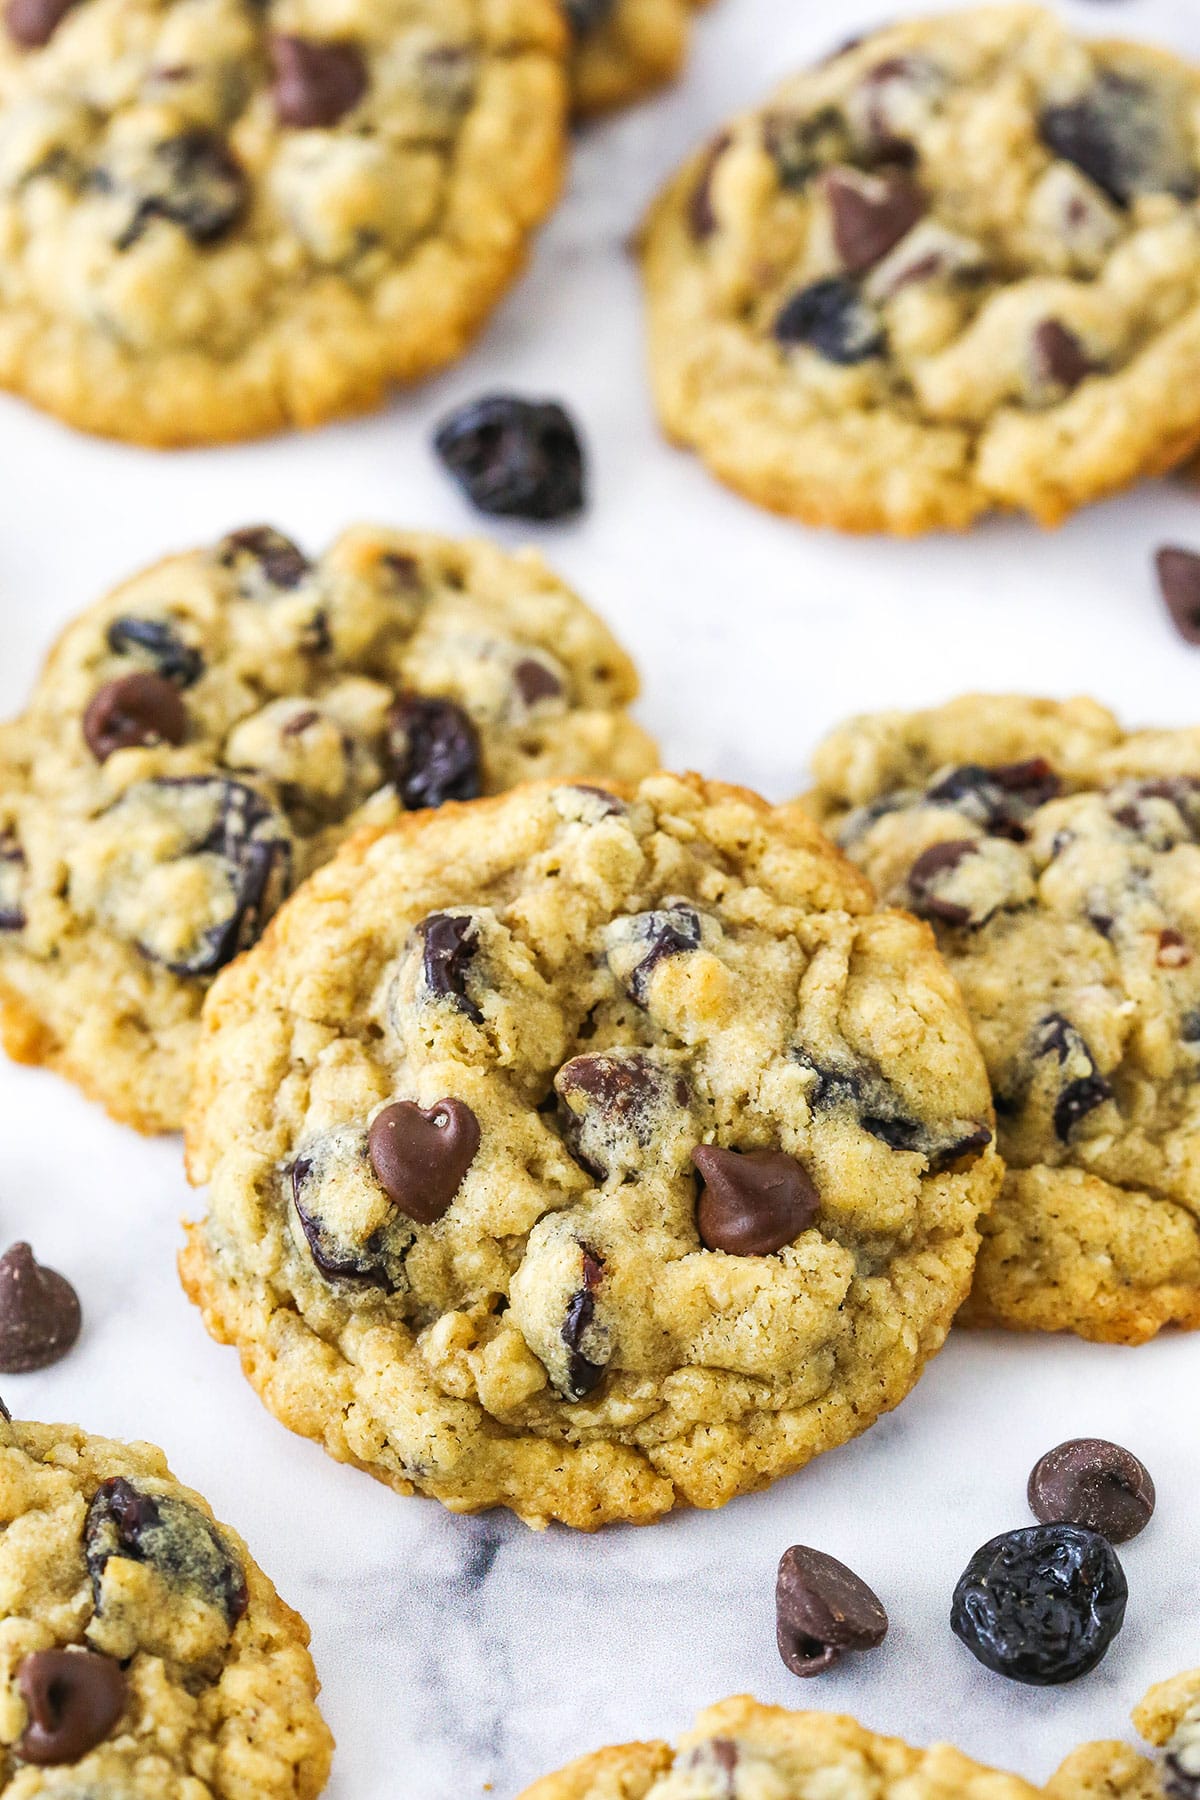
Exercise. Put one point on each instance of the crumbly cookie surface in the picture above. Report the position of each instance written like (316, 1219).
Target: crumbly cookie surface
(951, 269)
(103, 1552)
(740, 1750)
(1168, 1718)
(1058, 859)
(203, 737)
(623, 49)
(581, 990)
(218, 218)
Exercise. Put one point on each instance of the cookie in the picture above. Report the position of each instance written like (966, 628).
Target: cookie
(623, 49)
(588, 1154)
(952, 269)
(220, 217)
(207, 734)
(1058, 859)
(1169, 1718)
(740, 1750)
(142, 1651)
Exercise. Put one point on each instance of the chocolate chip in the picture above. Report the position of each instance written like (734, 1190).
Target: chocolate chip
(74, 1698)
(584, 16)
(1179, 582)
(1084, 1093)
(940, 859)
(534, 681)
(170, 1535)
(701, 217)
(831, 318)
(753, 1202)
(1126, 137)
(871, 213)
(1000, 798)
(352, 1230)
(450, 941)
(583, 1375)
(608, 1105)
(433, 752)
(801, 146)
(40, 1317)
(195, 182)
(13, 865)
(823, 1609)
(1060, 359)
(281, 563)
(316, 83)
(1090, 1482)
(420, 1155)
(668, 931)
(32, 23)
(134, 710)
(160, 644)
(515, 458)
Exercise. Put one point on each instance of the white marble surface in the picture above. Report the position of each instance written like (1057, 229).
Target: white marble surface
(459, 1653)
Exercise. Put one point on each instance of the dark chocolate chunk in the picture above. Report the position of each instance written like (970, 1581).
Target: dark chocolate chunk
(1060, 358)
(134, 710)
(13, 865)
(1126, 135)
(450, 940)
(871, 213)
(753, 1202)
(433, 752)
(161, 646)
(701, 216)
(534, 681)
(669, 931)
(170, 1535)
(32, 23)
(421, 1155)
(40, 1316)
(608, 1103)
(583, 1375)
(1083, 1093)
(823, 1609)
(275, 558)
(1090, 1482)
(74, 1698)
(193, 181)
(584, 16)
(923, 880)
(802, 146)
(316, 83)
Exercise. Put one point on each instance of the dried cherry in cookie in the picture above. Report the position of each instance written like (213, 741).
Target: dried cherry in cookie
(433, 752)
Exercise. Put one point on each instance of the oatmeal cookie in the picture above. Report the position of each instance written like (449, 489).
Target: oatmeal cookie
(625, 48)
(142, 1651)
(587, 1153)
(1058, 859)
(740, 1750)
(951, 269)
(221, 217)
(207, 734)
(1169, 1718)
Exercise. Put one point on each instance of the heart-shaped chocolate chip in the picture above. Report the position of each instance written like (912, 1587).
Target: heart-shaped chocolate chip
(420, 1155)
(753, 1201)
(74, 1698)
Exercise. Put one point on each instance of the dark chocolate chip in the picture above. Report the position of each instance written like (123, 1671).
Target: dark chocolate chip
(450, 941)
(197, 184)
(13, 864)
(433, 752)
(871, 213)
(607, 1103)
(1060, 358)
(801, 146)
(250, 840)
(316, 83)
(534, 681)
(168, 1534)
(940, 859)
(1083, 1094)
(1090, 1482)
(281, 562)
(583, 1376)
(1125, 137)
(753, 1202)
(831, 318)
(160, 644)
(74, 1698)
(671, 931)
(40, 1317)
(32, 23)
(823, 1609)
(701, 217)
(420, 1155)
(141, 709)
(515, 458)
(1001, 798)
(1179, 583)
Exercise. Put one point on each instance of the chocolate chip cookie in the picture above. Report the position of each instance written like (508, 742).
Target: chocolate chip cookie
(587, 1153)
(951, 269)
(740, 1750)
(207, 734)
(144, 1653)
(221, 217)
(624, 48)
(1058, 859)
(1169, 1719)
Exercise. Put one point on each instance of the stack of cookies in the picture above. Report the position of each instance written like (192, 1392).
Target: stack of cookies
(579, 1138)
